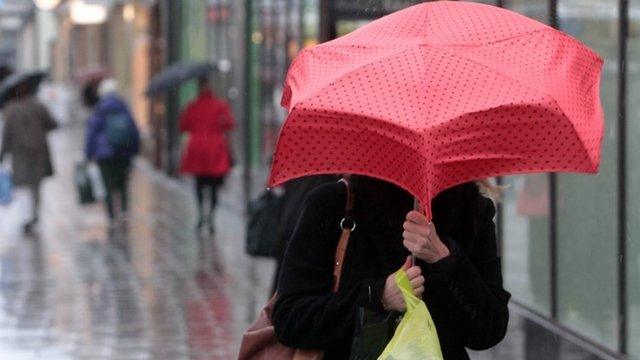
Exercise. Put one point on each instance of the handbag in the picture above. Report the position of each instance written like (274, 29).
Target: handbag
(97, 184)
(83, 184)
(264, 215)
(372, 333)
(259, 342)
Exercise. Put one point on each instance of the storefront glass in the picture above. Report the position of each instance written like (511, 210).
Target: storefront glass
(218, 17)
(278, 30)
(194, 43)
(535, 9)
(255, 40)
(588, 205)
(273, 68)
(525, 245)
(310, 22)
(633, 182)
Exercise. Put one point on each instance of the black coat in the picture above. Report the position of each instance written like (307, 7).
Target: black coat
(464, 291)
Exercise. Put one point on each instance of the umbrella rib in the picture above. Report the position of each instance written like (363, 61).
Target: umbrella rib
(445, 48)
(498, 41)
(323, 88)
(553, 99)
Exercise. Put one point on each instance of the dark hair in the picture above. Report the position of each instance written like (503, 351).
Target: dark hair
(386, 192)
(5, 71)
(90, 95)
(203, 83)
(452, 208)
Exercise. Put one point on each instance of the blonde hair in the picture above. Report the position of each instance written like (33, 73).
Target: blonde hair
(491, 190)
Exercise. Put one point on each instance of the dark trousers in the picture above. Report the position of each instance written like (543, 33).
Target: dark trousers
(204, 183)
(34, 189)
(115, 175)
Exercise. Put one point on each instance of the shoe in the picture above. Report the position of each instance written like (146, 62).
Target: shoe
(29, 228)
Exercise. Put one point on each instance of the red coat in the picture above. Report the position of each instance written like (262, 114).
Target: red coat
(206, 120)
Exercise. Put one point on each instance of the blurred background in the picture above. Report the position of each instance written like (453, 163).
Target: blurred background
(158, 289)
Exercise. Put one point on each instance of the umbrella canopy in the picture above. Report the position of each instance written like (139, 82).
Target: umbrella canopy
(177, 74)
(5, 70)
(11, 83)
(439, 94)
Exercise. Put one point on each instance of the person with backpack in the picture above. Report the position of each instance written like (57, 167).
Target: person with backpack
(112, 140)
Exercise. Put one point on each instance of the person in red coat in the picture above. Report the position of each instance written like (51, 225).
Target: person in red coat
(207, 120)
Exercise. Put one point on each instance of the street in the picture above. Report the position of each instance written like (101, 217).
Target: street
(153, 290)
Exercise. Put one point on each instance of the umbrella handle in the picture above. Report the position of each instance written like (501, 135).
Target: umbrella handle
(417, 207)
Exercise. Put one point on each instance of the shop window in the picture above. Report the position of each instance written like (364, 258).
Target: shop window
(633, 181)
(525, 246)
(587, 205)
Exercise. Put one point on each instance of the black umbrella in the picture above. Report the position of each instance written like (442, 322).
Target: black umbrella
(5, 70)
(177, 74)
(14, 82)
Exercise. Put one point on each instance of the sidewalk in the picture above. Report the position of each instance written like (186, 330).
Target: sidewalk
(154, 291)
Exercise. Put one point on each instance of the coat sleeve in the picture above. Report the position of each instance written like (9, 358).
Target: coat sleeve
(227, 121)
(184, 123)
(5, 147)
(48, 121)
(307, 314)
(475, 283)
(91, 138)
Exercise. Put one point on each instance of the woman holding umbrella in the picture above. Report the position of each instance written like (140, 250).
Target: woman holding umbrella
(207, 120)
(457, 265)
(422, 109)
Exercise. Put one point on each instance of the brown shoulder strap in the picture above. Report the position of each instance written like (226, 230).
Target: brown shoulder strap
(348, 225)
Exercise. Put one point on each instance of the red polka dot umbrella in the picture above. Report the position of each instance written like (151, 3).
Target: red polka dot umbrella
(439, 94)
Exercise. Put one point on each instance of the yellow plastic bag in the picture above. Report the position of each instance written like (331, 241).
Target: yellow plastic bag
(416, 336)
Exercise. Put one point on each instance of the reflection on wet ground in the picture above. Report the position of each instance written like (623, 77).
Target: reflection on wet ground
(151, 289)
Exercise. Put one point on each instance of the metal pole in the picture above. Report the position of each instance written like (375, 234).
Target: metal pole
(553, 205)
(246, 178)
(327, 21)
(622, 172)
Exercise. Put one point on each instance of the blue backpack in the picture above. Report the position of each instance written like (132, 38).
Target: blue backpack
(6, 187)
(119, 130)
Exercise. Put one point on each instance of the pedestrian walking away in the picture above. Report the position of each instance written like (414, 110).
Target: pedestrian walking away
(207, 120)
(112, 140)
(27, 122)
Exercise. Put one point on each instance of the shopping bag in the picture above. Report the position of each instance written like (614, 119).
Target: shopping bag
(6, 187)
(83, 184)
(97, 184)
(416, 336)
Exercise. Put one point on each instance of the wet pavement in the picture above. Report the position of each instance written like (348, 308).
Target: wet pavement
(154, 288)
